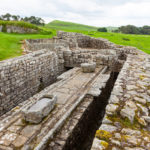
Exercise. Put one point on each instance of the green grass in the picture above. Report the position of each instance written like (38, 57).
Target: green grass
(141, 42)
(10, 45)
(20, 24)
(64, 25)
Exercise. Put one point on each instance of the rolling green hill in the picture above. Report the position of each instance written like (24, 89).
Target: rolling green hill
(62, 25)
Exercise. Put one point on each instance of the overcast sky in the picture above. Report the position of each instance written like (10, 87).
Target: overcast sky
(91, 12)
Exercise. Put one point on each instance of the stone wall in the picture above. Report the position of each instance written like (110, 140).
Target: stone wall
(110, 58)
(49, 44)
(22, 77)
(1, 28)
(17, 29)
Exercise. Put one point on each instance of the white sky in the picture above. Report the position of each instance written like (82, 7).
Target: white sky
(91, 12)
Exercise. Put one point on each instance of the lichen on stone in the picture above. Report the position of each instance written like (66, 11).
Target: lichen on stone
(104, 144)
(103, 135)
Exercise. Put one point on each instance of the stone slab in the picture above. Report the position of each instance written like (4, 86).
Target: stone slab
(88, 67)
(40, 109)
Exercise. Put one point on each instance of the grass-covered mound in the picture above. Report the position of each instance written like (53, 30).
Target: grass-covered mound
(19, 24)
(63, 25)
(25, 25)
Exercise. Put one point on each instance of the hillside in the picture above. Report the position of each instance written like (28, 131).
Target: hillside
(62, 25)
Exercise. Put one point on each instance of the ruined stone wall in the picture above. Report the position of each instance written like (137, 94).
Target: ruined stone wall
(110, 58)
(22, 77)
(84, 41)
(49, 44)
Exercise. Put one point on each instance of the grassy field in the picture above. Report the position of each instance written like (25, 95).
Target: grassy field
(10, 45)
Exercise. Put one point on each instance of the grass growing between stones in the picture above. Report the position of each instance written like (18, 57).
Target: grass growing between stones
(125, 122)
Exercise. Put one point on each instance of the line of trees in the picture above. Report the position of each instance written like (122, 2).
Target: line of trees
(131, 29)
(31, 19)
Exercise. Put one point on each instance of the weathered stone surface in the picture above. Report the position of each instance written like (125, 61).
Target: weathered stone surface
(147, 118)
(111, 109)
(40, 109)
(129, 131)
(140, 100)
(109, 128)
(128, 112)
(88, 67)
(97, 145)
(8, 138)
(29, 130)
(19, 141)
(114, 99)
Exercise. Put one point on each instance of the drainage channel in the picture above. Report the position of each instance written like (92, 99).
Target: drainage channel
(83, 134)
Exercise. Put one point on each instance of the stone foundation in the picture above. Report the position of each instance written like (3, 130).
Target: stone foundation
(126, 120)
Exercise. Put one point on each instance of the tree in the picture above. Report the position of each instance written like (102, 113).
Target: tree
(102, 29)
(115, 31)
(145, 30)
(34, 20)
(31, 19)
(15, 18)
(6, 17)
(129, 29)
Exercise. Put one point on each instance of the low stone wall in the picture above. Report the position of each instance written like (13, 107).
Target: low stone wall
(49, 44)
(22, 77)
(110, 58)
(17, 29)
(83, 41)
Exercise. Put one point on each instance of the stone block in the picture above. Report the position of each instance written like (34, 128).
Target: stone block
(40, 109)
(88, 67)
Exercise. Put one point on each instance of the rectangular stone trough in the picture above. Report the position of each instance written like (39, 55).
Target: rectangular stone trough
(40, 109)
